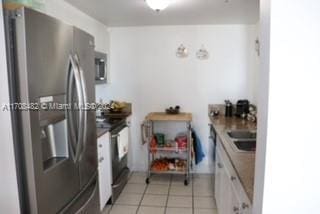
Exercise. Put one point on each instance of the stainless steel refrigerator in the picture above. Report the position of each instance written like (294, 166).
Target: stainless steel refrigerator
(51, 69)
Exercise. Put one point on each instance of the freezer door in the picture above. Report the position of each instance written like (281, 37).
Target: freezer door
(87, 201)
(84, 53)
(43, 48)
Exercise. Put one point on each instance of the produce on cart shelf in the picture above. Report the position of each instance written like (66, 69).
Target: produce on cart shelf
(169, 164)
(182, 141)
(153, 145)
(181, 164)
(160, 165)
(179, 144)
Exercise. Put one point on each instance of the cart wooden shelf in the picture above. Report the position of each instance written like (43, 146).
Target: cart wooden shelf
(148, 132)
(160, 116)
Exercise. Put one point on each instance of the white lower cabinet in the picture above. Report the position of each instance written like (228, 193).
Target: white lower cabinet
(229, 193)
(104, 169)
(235, 201)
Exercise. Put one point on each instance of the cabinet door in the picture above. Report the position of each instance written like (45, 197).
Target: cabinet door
(235, 205)
(226, 193)
(246, 209)
(245, 204)
(229, 194)
(104, 168)
(218, 180)
(222, 184)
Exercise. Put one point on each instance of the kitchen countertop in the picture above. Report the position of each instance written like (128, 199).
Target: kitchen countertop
(126, 112)
(102, 131)
(112, 119)
(109, 124)
(243, 163)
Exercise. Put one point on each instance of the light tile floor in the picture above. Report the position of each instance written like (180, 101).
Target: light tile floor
(166, 194)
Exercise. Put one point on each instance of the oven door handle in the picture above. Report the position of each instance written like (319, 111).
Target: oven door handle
(115, 135)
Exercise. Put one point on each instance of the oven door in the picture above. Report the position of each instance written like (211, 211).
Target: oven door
(120, 170)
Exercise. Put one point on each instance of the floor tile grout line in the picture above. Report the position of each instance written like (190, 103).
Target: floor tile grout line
(153, 194)
(166, 206)
(143, 194)
(171, 184)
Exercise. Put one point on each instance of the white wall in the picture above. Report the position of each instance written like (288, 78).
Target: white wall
(9, 198)
(146, 72)
(291, 175)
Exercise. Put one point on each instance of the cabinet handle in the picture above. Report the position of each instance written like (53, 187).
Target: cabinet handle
(101, 159)
(233, 178)
(235, 209)
(100, 145)
(245, 206)
(220, 165)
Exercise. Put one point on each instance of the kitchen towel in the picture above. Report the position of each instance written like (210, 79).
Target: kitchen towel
(197, 147)
(123, 142)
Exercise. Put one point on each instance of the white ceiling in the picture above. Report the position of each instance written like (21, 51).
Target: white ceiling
(180, 12)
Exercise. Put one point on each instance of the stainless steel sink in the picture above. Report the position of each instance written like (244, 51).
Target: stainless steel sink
(243, 140)
(242, 134)
(245, 145)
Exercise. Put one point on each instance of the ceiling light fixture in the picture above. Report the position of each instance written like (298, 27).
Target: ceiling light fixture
(158, 5)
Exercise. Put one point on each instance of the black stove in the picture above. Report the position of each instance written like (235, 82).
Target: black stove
(109, 123)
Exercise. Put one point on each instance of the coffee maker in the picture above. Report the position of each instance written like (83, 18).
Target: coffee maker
(242, 108)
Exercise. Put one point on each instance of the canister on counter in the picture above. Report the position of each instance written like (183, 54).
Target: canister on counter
(229, 108)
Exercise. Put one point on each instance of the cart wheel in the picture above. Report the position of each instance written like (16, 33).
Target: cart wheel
(147, 181)
(186, 182)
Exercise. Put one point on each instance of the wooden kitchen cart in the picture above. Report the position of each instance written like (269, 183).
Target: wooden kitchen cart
(180, 165)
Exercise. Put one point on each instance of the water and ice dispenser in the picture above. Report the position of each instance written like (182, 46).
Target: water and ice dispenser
(53, 131)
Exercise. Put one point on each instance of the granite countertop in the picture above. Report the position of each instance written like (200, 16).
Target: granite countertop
(243, 163)
(109, 124)
(102, 131)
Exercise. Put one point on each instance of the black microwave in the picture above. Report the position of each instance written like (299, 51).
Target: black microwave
(100, 62)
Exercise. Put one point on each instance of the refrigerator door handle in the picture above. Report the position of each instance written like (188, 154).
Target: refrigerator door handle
(84, 112)
(74, 77)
